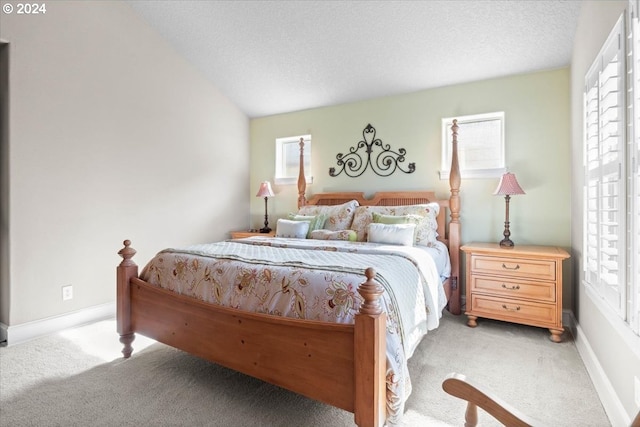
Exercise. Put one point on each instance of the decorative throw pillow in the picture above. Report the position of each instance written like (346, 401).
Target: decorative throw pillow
(349, 235)
(316, 222)
(399, 219)
(339, 217)
(426, 229)
(392, 234)
(294, 229)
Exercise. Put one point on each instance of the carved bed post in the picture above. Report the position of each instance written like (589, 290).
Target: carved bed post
(370, 356)
(125, 271)
(302, 181)
(454, 223)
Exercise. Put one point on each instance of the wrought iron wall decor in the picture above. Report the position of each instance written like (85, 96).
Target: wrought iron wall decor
(384, 163)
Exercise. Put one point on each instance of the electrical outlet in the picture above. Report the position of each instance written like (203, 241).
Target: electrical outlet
(67, 292)
(636, 381)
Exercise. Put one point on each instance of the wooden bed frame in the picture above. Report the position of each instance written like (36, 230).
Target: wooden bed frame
(287, 352)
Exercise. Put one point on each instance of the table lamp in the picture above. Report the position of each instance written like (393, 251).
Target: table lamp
(266, 192)
(507, 187)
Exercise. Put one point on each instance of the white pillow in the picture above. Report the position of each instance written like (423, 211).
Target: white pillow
(291, 228)
(392, 234)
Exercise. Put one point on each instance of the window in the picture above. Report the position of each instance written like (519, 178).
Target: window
(604, 151)
(633, 141)
(612, 186)
(482, 154)
(288, 159)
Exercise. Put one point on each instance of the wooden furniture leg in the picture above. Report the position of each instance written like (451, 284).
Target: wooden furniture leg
(454, 223)
(125, 272)
(473, 321)
(556, 335)
(370, 356)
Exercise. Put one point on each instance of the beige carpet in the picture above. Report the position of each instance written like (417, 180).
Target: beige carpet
(77, 378)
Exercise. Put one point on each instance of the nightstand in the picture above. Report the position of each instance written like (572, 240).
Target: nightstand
(246, 233)
(522, 284)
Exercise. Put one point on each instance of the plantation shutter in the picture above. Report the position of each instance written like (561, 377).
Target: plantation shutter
(633, 144)
(605, 238)
(592, 179)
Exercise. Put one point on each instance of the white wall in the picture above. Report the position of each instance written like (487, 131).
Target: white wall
(112, 135)
(618, 356)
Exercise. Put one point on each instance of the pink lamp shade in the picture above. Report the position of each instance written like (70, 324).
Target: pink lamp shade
(265, 190)
(508, 186)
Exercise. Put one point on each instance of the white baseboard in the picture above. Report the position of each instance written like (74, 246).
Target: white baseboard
(612, 405)
(30, 330)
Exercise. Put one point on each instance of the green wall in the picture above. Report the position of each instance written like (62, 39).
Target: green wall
(537, 139)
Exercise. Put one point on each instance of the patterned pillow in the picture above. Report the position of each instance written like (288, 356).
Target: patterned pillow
(426, 229)
(392, 234)
(339, 217)
(316, 222)
(295, 229)
(349, 235)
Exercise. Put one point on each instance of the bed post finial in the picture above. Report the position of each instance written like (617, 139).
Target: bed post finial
(454, 223)
(127, 253)
(124, 273)
(302, 181)
(371, 292)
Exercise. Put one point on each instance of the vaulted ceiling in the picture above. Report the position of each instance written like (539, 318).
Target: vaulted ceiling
(271, 57)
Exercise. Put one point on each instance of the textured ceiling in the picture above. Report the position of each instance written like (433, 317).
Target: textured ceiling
(272, 57)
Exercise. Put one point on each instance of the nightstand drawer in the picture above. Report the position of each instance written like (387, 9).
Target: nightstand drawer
(513, 288)
(514, 267)
(514, 310)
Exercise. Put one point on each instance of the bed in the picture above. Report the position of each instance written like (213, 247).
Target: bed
(344, 362)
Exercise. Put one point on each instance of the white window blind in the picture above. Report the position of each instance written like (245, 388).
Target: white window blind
(605, 239)
(633, 148)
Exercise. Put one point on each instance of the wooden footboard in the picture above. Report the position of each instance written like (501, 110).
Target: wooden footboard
(341, 365)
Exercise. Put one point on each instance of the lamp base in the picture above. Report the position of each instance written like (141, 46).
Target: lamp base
(265, 230)
(506, 243)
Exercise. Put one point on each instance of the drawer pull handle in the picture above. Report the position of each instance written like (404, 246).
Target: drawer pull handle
(511, 309)
(517, 267)
(512, 287)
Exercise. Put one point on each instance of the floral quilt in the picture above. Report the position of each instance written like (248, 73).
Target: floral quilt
(315, 280)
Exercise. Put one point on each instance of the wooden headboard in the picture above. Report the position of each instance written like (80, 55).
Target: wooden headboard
(448, 231)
